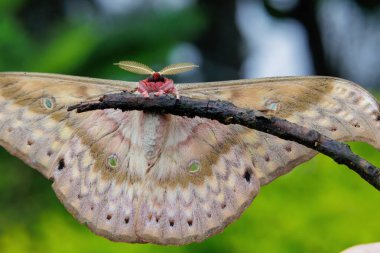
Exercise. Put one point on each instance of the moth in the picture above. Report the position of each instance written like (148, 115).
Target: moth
(141, 177)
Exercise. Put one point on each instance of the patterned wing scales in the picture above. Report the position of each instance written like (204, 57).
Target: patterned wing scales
(202, 181)
(139, 177)
(155, 197)
(33, 117)
(337, 108)
(130, 176)
(65, 147)
(101, 184)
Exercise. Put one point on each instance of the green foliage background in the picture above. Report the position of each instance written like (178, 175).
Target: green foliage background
(319, 207)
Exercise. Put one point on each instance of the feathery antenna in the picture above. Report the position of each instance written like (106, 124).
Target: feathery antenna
(177, 68)
(139, 68)
(135, 67)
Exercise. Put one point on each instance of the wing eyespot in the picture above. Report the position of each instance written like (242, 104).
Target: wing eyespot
(113, 161)
(48, 103)
(194, 167)
(272, 105)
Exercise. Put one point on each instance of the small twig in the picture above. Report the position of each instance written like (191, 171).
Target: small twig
(226, 113)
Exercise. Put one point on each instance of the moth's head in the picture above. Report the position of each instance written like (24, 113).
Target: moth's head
(155, 76)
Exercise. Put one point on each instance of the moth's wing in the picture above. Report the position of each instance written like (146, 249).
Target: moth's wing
(335, 107)
(201, 181)
(67, 147)
(33, 112)
(129, 176)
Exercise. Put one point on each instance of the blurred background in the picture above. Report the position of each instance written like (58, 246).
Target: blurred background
(319, 207)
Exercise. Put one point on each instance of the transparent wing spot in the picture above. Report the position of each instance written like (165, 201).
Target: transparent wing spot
(48, 103)
(194, 167)
(113, 161)
(272, 105)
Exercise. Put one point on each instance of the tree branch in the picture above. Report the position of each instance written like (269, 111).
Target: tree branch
(226, 113)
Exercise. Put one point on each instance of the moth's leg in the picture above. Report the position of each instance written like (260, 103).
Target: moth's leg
(176, 93)
(159, 93)
(142, 88)
(173, 90)
(169, 87)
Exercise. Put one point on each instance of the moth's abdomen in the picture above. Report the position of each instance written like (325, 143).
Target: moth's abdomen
(154, 133)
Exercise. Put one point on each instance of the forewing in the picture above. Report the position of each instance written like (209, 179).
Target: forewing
(335, 107)
(73, 149)
(33, 112)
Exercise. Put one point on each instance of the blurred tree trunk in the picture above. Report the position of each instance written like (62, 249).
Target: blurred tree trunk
(306, 11)
(221, 42)
(369, 5)
(39, 16)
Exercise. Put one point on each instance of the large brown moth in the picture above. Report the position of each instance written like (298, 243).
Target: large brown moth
(164, 179)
